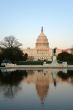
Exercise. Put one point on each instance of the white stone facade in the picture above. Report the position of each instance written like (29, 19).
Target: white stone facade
(41, 50)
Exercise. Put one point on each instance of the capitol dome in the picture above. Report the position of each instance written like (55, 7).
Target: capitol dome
(42, 41)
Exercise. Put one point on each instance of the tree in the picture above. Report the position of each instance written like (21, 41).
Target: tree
(10, 41)
(64, 56)
(13, 54)
(11, 51)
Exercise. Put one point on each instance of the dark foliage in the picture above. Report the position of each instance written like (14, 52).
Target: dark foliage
(12, 78)
(10, 82)
(13, 54)
(65, 76)
(64, 56)
(10, 50)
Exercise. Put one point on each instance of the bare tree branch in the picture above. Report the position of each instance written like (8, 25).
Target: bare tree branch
(10, 41)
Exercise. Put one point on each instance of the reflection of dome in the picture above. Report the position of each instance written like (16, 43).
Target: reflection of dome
(42, 41)
(42, 85)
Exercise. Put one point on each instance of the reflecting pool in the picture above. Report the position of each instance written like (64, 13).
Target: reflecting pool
(47, 89)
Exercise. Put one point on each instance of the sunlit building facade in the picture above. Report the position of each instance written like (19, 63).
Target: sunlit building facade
(42, 51)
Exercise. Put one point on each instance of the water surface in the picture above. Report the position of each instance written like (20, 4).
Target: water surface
(36, 90)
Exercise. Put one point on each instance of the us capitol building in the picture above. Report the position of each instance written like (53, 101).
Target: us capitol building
(41, 50)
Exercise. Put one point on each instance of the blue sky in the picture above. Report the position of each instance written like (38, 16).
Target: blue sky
(24, 18)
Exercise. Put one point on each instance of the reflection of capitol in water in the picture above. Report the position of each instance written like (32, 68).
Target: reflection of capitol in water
(42, 85)
(41, 78)
(44, 78)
